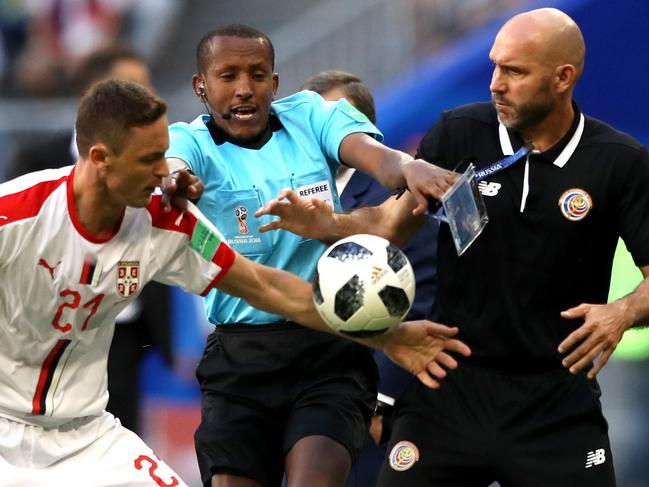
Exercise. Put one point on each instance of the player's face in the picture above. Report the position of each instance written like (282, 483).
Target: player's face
(240, 82)
(134, 174)
(520, 84)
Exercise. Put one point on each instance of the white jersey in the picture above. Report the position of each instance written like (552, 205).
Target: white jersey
(61, 289)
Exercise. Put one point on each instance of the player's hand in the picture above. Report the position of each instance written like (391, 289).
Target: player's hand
(424, 348)
(309, 218)
(602, 330)
(426, 181)
(179, 187)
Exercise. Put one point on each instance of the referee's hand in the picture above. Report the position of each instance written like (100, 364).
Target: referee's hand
(178, 187)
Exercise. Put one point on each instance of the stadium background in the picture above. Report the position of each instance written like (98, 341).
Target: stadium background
(419, 57)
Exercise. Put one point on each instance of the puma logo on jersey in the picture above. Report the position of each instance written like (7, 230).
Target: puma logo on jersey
(50, 269)
(596, 457)
(489, 189)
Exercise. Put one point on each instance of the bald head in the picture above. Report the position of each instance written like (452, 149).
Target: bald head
(549, 35)
(538, 57)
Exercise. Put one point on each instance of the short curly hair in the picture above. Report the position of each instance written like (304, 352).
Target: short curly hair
(231, 30)
(110, 108)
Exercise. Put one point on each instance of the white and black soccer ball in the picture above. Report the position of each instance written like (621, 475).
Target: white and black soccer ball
(363, 286)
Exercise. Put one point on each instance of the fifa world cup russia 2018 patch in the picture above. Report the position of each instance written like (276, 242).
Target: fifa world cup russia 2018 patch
(575, 204)
(403, 456)
(241, 214)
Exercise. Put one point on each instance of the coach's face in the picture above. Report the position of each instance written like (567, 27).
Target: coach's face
(132, 175)
(240, 84)
(521, 89)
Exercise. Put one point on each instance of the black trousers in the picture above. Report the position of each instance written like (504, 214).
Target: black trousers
(522, 430)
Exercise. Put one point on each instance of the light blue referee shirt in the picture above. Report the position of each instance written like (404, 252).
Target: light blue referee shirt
(302, 155)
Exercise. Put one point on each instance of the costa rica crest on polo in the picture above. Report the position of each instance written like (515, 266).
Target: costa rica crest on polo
(128, 277)
(575, 204)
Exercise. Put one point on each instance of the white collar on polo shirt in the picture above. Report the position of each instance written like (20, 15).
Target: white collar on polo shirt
(562, 158)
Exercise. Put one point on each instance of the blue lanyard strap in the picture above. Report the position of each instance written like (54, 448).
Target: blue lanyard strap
(503, 164)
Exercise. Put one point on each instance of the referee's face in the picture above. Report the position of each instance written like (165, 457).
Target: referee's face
(240, 85)
(521, 83)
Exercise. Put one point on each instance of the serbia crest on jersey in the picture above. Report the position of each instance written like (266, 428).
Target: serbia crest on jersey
(127, 277)
(61, 289)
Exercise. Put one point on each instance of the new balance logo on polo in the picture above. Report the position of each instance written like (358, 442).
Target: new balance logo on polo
(596, 457)
(489, 189)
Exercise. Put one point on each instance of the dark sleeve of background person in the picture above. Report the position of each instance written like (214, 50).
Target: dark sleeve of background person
(132, 340)
(49, 152)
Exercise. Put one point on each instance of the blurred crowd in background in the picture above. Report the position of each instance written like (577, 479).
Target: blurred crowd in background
(42, 41)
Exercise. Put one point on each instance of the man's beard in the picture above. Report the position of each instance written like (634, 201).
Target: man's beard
(527, 115)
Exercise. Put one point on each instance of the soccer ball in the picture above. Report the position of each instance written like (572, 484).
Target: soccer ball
(363, 286)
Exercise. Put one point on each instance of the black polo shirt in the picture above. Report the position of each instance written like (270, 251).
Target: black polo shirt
(554, 221)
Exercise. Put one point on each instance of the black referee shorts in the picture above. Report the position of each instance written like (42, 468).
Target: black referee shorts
(527, 430)
(265, 387)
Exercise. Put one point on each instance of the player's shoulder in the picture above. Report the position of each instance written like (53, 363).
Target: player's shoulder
(173, 220)
(194, 229)
(23, 197)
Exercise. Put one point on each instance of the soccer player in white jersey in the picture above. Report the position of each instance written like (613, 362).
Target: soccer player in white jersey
(77, 244)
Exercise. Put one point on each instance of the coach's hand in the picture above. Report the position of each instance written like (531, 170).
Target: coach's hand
(178, 187)
(424, 348)
(602, 330)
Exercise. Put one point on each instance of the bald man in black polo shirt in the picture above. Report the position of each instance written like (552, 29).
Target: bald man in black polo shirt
(529, 295)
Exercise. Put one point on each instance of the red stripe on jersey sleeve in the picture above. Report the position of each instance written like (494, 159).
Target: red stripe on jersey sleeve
(175, 220)
(224, 258)
(27, 202)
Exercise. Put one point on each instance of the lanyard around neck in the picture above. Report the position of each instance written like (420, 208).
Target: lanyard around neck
(503, 164)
